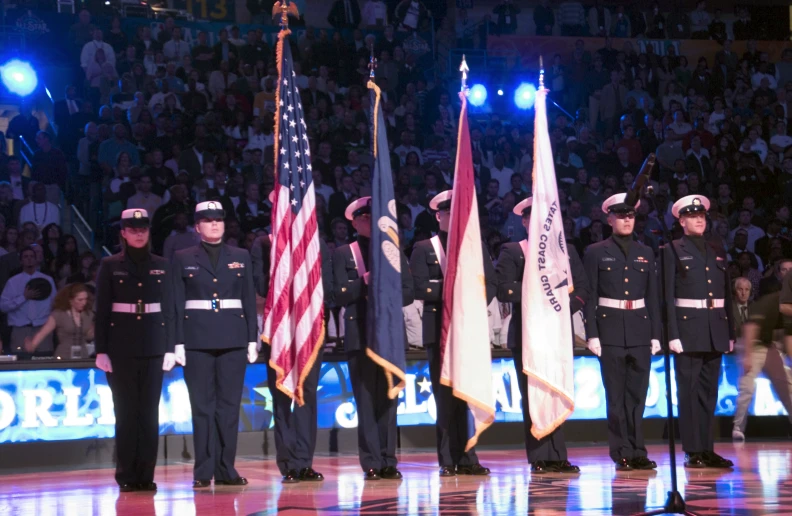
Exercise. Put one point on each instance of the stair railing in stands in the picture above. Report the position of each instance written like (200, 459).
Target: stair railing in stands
(81, 229)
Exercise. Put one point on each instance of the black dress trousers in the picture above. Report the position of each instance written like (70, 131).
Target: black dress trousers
(215, 379)
(697, 396)
(453, 422)
(551, 447)
(625, 376)
(375, 411)
(295, 430)
(136, 384)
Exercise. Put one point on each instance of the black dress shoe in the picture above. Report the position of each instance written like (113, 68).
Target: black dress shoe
(147, 486)
(541, 467)
(127, 488)
(713, 460)
(390, 473)
(564, 466)
(694, 461)
(199, 484)
(623, 465)
(643, 463)
(473, 469)
(447, 471)
(371, 474)
(291, 477)
(309, 475)
(238, 481)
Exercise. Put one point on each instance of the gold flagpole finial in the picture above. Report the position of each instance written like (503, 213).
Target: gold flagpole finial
(372, 64)
(284, 9)
(463, 68)
(541, 73)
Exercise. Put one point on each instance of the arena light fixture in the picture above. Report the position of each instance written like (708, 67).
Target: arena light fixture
(525, 95)
(19, 77)
(477, 95)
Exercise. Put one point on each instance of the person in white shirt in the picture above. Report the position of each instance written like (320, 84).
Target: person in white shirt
(502, 173)
(28, 307)
(406, 147)
(319, 187)
(39, 211)
(756, 79)
(144, 199)
(90, 48)
(758, 145)
(780, 140)
(176, 48)
(375, 14)
(416, 208)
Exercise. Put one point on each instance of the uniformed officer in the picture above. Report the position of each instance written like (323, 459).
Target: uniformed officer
(375, 410)
(623, 329)
(427, 264)
(295, 429)
(548, 455)
(698, 300)
(215, 329)
(134, 344)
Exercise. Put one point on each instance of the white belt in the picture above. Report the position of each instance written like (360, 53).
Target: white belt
(699, 303)
(622, 304)
(137, 308)
(215, 304)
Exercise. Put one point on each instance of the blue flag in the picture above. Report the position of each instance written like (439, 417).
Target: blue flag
(385, 321)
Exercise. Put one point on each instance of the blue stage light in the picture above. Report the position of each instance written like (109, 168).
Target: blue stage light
(19, 77)
(525, 95)
(500, 92)
(477, 95)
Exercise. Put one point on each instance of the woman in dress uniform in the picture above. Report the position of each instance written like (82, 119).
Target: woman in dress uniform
(134, 344)
(216, 331)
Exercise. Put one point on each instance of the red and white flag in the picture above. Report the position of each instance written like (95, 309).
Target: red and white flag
(465, 347)
(293, 313)
(547, 283)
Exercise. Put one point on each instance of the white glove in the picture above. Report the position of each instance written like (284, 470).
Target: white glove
(252, 352)
(103, 363)
(594, 346)
(180, 355)
(169, 361)
(731, 346)
(676, 346)
(655, 346)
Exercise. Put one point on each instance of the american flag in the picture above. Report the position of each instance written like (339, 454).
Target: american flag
(293, 313)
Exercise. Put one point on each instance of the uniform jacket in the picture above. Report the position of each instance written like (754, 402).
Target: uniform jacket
(509, 273)
(134, 335)
(351, 292)
(614, 276)
(428, 280)
(196, 279)
(697, 277)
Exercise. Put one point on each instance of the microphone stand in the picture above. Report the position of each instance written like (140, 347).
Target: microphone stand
(675, 504)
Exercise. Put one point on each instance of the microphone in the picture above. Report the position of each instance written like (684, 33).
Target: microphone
(634, 193)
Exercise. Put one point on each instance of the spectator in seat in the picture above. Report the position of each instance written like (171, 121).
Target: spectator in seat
(144, 198)
(49, 167)
(345, 14)
(87, 56)
(39, 211)
(28, 307)
(181, 237)
(252, 212)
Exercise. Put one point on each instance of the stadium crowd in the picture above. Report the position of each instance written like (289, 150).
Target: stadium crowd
(156, 123)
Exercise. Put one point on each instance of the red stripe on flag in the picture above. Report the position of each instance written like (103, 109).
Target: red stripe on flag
(461, 200)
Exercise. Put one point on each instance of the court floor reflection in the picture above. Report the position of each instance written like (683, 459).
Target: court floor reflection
(759, 484)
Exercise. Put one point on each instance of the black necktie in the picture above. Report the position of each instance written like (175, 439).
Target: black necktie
(744, 313)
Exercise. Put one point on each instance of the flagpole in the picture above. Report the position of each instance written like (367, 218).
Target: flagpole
(541, 73)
